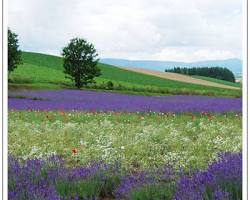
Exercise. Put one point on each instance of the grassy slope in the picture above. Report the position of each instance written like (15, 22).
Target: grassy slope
(218, 81)
(46, 71)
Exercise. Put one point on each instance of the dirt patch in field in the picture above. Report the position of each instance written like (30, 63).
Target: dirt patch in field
(179, 77)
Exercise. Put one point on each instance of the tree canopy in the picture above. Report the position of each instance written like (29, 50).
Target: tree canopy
(80, 62)
(14, 54)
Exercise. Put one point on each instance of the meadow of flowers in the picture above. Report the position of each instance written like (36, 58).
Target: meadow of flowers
(62, 146)
(136, 140)
(51, 179)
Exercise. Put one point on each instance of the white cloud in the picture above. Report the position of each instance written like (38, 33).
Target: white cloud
(138, 29)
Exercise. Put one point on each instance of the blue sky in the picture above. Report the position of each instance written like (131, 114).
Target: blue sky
(177, 30)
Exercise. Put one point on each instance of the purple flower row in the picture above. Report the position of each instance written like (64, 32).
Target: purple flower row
(50, 179)
(104, 101)
(222, 180)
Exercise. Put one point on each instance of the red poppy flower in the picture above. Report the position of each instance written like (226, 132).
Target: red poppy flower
(74, 151)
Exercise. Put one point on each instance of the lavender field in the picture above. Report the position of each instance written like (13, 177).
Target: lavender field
(89, 145)
(51, 179)
(107, 101)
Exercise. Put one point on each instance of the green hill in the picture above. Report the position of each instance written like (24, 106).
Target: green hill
(218, 81)
(46, 71)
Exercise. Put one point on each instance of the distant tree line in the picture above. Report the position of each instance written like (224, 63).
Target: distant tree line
(213, 72)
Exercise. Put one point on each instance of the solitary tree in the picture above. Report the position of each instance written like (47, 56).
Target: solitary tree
(14, 54)
(80, 62)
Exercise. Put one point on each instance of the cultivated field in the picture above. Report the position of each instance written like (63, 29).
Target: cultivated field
(44, 71)
(236, 84)
(180, 77)
(108, 101)
(130, 156)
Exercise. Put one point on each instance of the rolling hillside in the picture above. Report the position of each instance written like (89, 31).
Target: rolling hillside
(182, 78)
(237, 84)
(46, 71)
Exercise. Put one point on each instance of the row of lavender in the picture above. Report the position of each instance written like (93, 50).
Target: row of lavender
(50, 179)
(107, 101)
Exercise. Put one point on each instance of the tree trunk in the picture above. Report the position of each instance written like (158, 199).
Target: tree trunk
(78, 82)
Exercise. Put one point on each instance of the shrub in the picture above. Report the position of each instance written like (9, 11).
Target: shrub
(110, 85)
(21, 79)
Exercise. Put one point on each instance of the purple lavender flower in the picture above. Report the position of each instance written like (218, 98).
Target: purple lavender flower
(104, 101)
(143, 178)
(225, 173)
(131, 181)
(219, 194)
(38, 179)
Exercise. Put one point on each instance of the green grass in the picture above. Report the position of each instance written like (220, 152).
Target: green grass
(138, 140)
(39, 74)
(46, 71)
(153, 191)
(42, 60)
(218, 81)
